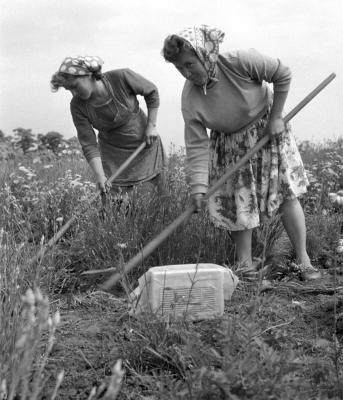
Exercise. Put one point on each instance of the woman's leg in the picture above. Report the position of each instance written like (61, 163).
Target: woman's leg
(293, 219)
(242, 241)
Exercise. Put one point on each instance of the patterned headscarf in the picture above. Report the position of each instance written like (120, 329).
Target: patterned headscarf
(81, 65)
(205, 41)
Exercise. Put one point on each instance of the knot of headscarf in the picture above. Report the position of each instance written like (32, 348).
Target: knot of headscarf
(81, 65)
(205, 41)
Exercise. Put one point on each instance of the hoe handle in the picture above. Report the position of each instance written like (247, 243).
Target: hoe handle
(185, 216)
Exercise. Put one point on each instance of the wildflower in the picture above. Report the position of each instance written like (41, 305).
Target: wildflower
(339, 249)
(56, 319)
(21, 341)
(29, 297)
(336, 198)
(75, 183)
(59, 220)
(3, 389)
(38, 296)
(23, 169)
(331, 172)
(47, 166)
(122, 245)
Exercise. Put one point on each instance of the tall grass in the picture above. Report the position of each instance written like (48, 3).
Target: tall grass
(246, 354)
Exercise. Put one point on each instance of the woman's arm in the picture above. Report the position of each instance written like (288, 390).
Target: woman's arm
(99, 174)
(150, 131)
(87, 139)
(138, 85)
(197, 153)
(276, 124)
(264, 68)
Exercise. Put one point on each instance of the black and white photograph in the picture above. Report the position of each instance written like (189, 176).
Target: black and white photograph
(171, 191)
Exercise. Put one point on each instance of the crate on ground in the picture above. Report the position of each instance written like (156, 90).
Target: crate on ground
(193, 291)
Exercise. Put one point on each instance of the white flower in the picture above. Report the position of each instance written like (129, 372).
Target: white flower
(23, 169)
(56, 318)
(75, 183)
(336, 198)
(339, 249)
(38, 295)
(29, 297)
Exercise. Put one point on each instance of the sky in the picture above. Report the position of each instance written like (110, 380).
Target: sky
(36, 35)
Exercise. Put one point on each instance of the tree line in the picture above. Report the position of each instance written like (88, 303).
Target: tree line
(27, 141)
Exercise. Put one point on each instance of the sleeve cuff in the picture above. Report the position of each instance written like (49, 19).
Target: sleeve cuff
(198, 188)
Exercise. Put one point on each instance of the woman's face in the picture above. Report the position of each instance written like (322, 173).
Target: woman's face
(80, 87)
(190, 66)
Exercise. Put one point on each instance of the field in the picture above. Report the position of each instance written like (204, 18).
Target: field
(62, 337)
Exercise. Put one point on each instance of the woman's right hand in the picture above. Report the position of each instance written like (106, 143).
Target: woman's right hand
(102, 184)
(99, 174)
(197, 200)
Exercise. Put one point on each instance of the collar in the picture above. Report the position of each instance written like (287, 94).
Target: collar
(212, 81)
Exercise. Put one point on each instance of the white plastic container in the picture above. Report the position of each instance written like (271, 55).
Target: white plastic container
(192, 291)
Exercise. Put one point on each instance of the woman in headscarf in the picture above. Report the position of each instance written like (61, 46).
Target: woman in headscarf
(227, 93)
(108, 102)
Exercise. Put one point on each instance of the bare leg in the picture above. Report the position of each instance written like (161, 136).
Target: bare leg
(294, 222)
(242, 241)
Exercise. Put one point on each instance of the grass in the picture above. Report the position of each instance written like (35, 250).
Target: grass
(279, 343)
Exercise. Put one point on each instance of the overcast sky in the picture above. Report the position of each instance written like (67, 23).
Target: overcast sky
(36, 35)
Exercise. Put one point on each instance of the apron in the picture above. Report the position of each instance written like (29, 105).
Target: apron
(119, 137)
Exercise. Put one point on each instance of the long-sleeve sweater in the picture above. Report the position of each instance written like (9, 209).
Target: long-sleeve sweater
(237, 98)
(126, 131)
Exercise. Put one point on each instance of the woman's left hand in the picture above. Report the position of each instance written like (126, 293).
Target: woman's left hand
(150, 135)
(275, 126)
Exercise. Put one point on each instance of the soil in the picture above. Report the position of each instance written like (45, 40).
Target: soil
(95, 325)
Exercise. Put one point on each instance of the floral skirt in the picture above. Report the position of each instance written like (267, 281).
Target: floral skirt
(273, 175)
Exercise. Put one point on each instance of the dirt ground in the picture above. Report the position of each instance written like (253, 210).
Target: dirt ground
(96, 324)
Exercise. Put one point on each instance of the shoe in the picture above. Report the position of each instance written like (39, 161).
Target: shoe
(309, 272)
(246, 273)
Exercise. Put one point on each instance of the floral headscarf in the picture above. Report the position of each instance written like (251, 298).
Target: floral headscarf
(81, 65)
(205, 41)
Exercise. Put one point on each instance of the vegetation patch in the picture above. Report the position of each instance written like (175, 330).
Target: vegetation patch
(61, 337)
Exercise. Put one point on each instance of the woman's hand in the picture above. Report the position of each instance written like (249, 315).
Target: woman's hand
(197, 200)
(150, 134)
(99, 174)
(275, 126)
(102, 184)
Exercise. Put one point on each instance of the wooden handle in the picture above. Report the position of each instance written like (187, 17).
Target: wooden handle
(184, 217)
